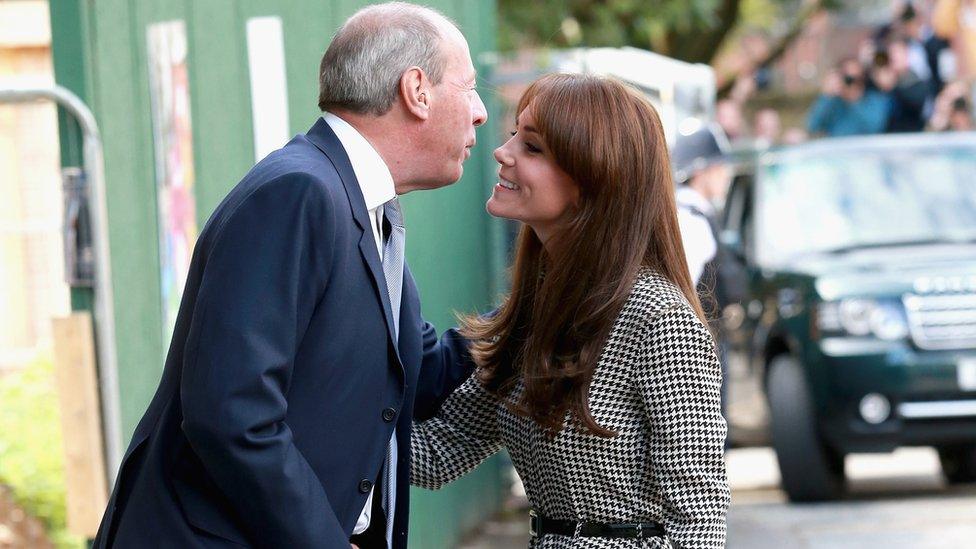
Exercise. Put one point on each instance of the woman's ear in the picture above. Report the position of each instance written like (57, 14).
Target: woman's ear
(415, 92)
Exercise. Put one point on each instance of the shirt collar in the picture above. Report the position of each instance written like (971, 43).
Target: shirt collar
(371, 171)
(688, 197)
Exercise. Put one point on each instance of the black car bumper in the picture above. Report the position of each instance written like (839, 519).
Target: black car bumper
(931, 401)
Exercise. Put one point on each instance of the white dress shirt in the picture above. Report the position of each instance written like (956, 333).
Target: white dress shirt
(376, 183)
(696, 233)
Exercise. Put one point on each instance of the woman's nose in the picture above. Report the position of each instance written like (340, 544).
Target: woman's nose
(502, 156)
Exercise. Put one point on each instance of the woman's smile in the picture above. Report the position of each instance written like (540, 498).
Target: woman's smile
(506, 184)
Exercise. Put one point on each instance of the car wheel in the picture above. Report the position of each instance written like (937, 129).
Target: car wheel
(958, 463)
(810, 470)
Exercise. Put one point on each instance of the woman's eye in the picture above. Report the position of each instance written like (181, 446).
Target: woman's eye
(532, 148)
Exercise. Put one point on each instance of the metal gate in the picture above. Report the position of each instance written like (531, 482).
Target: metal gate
(85, 243)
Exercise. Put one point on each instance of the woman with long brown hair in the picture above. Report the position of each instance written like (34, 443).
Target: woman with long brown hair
(597, 372)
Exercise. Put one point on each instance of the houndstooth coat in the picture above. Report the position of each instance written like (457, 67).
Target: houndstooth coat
(657, 385)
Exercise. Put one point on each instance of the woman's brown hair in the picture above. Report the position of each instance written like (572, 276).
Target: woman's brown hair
(550, 330)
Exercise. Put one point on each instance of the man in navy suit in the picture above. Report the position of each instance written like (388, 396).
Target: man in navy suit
(283, 415)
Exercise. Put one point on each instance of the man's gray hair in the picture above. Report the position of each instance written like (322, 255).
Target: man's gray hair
(361, 70)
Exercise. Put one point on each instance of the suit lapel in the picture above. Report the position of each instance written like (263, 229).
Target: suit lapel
(325, 139)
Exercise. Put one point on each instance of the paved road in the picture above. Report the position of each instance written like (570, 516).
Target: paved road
(896, 501)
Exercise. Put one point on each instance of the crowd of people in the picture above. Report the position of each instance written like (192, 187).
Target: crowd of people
(914, 73)
(910, 75)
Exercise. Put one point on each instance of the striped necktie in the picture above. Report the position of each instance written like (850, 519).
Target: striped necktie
(393, 247)
(393, 259)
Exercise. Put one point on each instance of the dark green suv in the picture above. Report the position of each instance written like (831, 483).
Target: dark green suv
(858, 329)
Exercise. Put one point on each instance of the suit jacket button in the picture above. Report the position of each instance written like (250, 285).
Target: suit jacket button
(389, 415)
(365, 486)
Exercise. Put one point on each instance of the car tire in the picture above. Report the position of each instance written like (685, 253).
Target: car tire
(958, 463)
(810, 470)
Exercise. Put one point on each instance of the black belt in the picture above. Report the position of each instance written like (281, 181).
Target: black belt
(540, 526)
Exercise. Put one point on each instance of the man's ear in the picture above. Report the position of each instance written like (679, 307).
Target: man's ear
(415, 92)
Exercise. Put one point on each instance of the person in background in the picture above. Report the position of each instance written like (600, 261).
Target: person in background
(728, 116)
(929, 53)
(767, 127)
(907, 92)
(916, 33)
(961, 115)
(955, 20)
(700, 245)
(953, 109)
(703, 180)
(846, 106)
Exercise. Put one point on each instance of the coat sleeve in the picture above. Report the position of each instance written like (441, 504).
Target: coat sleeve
(446, 364)
(265, 270)
(679, 379)
(462, 435)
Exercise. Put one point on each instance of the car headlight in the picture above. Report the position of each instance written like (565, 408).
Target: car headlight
(855, 316)
(888, 321)
(884, 319)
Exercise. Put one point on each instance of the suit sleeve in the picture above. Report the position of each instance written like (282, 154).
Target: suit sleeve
(446, 365)
(265, 270)
(679, 378)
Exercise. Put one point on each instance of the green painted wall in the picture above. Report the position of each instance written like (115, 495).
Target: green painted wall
(100, 54)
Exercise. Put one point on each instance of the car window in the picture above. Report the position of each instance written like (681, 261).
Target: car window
(735, 204)
(846, 201)
(736, 214)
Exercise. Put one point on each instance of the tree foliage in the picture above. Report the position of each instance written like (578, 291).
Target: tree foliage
(31, 455)
(691, 30)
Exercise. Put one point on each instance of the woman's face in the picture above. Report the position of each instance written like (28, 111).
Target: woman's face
(531, 188)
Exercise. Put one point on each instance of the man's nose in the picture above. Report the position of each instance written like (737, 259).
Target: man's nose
(479, 111)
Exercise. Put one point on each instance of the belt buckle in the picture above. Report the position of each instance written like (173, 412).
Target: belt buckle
(534, 524)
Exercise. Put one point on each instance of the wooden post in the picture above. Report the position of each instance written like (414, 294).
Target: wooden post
(84, 458)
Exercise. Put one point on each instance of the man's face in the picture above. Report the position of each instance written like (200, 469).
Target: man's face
(853, 77)
(456, 110)
(717, 178)
(712, 182)
(729, 117)
(898, 57)
(913, 28)
(767, 124)
(961, 121)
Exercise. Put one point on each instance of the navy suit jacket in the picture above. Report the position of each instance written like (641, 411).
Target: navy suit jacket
(283, 383)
